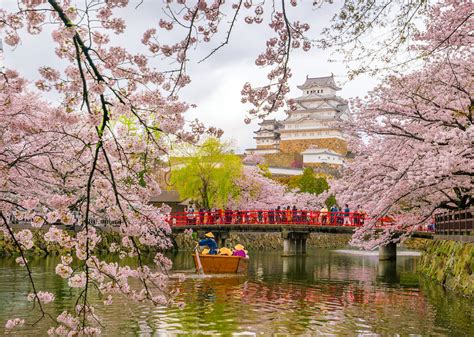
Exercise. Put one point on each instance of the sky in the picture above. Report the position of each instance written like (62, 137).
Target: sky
(217, 82)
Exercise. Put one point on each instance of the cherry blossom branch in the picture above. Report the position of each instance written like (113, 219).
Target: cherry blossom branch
(28, 270)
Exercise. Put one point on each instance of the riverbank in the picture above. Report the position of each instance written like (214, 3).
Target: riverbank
(274, 241)
(43, 248)
(268, 241)
(450, 263)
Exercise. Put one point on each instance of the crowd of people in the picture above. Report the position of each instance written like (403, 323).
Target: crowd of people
(279, 215)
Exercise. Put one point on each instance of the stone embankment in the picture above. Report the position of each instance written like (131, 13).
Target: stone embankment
(41, 247)
(451, 263)
(269, 241)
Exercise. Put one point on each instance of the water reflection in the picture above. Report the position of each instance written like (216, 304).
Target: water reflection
(324, 292)
(387, 272)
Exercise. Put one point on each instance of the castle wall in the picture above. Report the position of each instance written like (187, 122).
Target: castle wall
(299, 145)
(287, 160)
(261, 147)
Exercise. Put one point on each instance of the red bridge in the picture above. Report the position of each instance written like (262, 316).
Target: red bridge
(294, 225)
(275, 217)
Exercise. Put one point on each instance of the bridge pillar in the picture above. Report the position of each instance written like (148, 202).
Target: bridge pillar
(286, 247)
(294, 243)
(388, 252)
(387, 271)
(299, 246)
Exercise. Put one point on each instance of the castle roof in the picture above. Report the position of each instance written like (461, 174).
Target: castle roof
(269, 125)
(317, 150)
(327, 81)
(268, 122)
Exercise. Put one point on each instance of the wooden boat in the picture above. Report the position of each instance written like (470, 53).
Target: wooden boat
(220, 264)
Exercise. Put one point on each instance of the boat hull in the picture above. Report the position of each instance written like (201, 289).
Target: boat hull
(220, 264)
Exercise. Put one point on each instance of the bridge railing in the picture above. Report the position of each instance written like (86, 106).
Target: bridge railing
(271, 217)
(459, 222)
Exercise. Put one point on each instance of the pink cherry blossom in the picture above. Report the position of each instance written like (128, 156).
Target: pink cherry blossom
(43, 296)
(63, 270)
(413, 135)
(77, 280)
(12, 323)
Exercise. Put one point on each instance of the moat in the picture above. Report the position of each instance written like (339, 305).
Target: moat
(330, 292)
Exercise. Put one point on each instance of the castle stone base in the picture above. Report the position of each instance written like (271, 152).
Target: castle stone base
(298, 146)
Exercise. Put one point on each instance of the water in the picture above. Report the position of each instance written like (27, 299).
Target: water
(325, 293)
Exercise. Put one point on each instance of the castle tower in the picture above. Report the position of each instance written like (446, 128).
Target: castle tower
(267, 137)
(310, 130)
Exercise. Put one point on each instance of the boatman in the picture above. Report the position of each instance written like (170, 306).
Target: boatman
(210, 243)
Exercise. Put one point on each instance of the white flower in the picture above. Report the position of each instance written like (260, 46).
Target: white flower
(43, 296)
(21, 261)
(63, 270)
(77, 281)
(11, 323)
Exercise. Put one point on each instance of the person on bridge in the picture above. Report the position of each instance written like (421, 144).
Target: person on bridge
(333, 212)
(347, 216)
(324, 214)
(210, 243)
(294, 215)
(228, 216)
(289, 218)
(277, 216)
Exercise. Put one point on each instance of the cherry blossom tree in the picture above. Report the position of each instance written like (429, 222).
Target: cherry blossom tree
(91, 154)
(413, 136)
(374, 37)
(260, 192)
(89, 157)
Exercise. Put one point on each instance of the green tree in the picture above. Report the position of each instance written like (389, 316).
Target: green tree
(265, 170)
(206, 173)
(331, 201)
(309, 183)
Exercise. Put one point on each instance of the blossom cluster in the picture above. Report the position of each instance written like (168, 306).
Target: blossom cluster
(413, 135)
(260, 192)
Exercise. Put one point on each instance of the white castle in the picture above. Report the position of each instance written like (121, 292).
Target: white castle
(309, 130)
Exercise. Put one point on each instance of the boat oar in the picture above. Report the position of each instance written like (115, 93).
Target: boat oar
(198, 259)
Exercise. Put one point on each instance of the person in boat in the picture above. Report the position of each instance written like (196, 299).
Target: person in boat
(225, 251)
(210, 243)
(239, 250)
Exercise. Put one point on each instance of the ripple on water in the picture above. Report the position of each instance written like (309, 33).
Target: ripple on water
(375, 253)
(325, 293)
